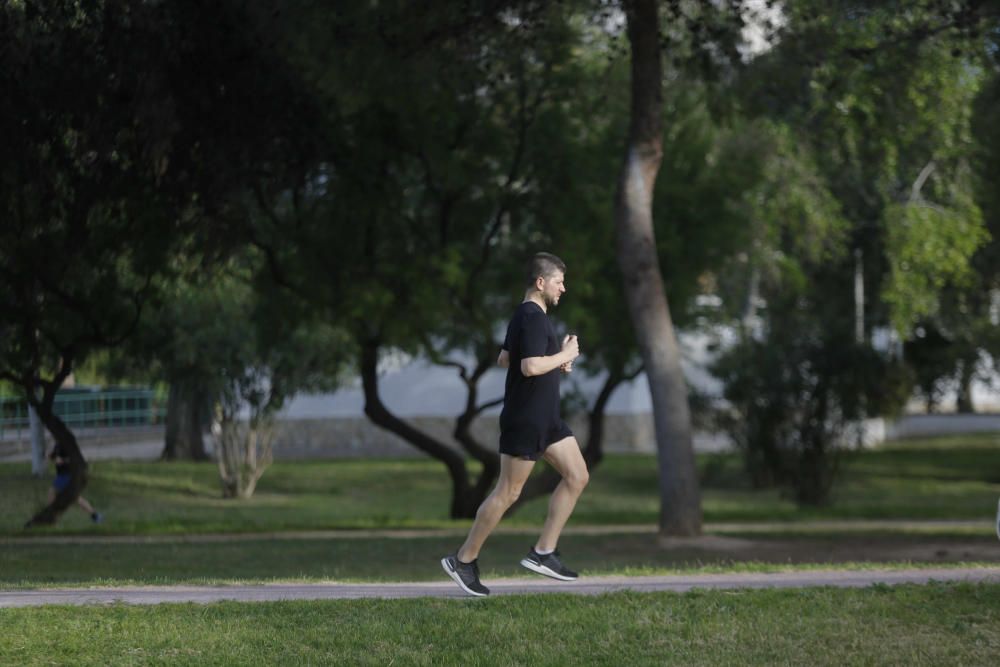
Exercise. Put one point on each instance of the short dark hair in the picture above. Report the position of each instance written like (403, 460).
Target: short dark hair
(544, 264)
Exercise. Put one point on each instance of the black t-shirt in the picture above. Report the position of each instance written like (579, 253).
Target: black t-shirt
(530, 417)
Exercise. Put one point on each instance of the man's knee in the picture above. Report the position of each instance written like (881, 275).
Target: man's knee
(508, 494)
(577, 479)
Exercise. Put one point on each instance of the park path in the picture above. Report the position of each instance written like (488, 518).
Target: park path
(145, 595)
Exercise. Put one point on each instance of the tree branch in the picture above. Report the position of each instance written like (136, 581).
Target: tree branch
(921, 179)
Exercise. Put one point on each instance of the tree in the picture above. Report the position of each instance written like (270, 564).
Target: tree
(123, 128)
(265, 356)
(411, 227)
(890, 169)
(86, 228)
(680, 499)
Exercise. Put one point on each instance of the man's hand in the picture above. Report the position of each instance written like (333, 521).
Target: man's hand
(571, 347)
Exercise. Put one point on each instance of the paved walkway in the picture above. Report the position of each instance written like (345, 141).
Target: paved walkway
(446, 589)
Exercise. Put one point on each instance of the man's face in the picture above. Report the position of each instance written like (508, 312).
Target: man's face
(552, 288)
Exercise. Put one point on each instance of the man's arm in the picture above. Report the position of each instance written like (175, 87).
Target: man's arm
(541, 365)
(503, 361)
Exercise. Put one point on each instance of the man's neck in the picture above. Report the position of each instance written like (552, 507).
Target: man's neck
(536, 297)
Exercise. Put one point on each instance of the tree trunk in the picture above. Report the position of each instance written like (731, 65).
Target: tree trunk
(489, 459)
(816, 467)
(67, 443)
(859, 296)
(680, 502)
(185, 418)
(463, 500)
(243, 451)
(966, 373)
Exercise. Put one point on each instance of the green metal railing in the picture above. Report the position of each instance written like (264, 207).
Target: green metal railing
(87, 408)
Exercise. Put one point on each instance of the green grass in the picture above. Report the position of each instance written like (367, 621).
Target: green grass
(934, 624)
(27, 563)
(937, 479)
(950, 478)
(913, 625)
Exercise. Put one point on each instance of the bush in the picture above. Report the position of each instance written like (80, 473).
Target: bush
(793, 396)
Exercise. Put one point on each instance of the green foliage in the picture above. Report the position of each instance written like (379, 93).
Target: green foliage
(883, 95)
(880, 95)
(113, 158)
(796, 398)
(929, 248)
(218, 332)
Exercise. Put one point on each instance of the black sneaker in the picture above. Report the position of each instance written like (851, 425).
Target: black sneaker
(549, 565)
(466, 575)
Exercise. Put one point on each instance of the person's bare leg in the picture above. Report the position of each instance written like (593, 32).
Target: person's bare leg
(566, 458)
(514, 473)
(87, 507)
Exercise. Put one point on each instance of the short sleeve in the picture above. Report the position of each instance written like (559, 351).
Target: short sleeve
(534, 340)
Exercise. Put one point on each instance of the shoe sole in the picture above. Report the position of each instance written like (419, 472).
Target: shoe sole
(458, 580)
(541, 569)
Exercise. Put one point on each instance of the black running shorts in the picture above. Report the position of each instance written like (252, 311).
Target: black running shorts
(528, 442)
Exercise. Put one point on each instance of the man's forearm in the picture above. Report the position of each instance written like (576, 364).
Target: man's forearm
(541, 365)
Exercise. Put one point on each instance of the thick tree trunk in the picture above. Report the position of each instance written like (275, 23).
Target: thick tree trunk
(964, 402)
(67, 443)
(464, 502)
(680, 501)
(489, 459)
(185, 417)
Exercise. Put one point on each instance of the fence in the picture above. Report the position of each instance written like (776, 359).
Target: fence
(86, 408)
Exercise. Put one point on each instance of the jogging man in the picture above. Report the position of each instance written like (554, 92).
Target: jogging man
(530, 428)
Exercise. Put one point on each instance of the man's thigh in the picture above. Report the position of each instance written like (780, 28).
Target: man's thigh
(514, 471)
(565, 456)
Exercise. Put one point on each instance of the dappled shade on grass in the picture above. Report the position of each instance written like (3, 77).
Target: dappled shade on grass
(951, 478)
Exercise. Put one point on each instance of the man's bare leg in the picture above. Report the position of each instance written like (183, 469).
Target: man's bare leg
(566, 458)
(514, 473)
(87, 507)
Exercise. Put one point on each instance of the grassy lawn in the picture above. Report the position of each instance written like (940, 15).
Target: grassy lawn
(25, 564)
(161, 503)
(937, 479)
(941, 478)
(913, 625)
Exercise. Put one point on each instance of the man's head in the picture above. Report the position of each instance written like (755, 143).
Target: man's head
(546, 277)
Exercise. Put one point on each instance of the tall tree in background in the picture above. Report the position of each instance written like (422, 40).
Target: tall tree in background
(680, 497)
